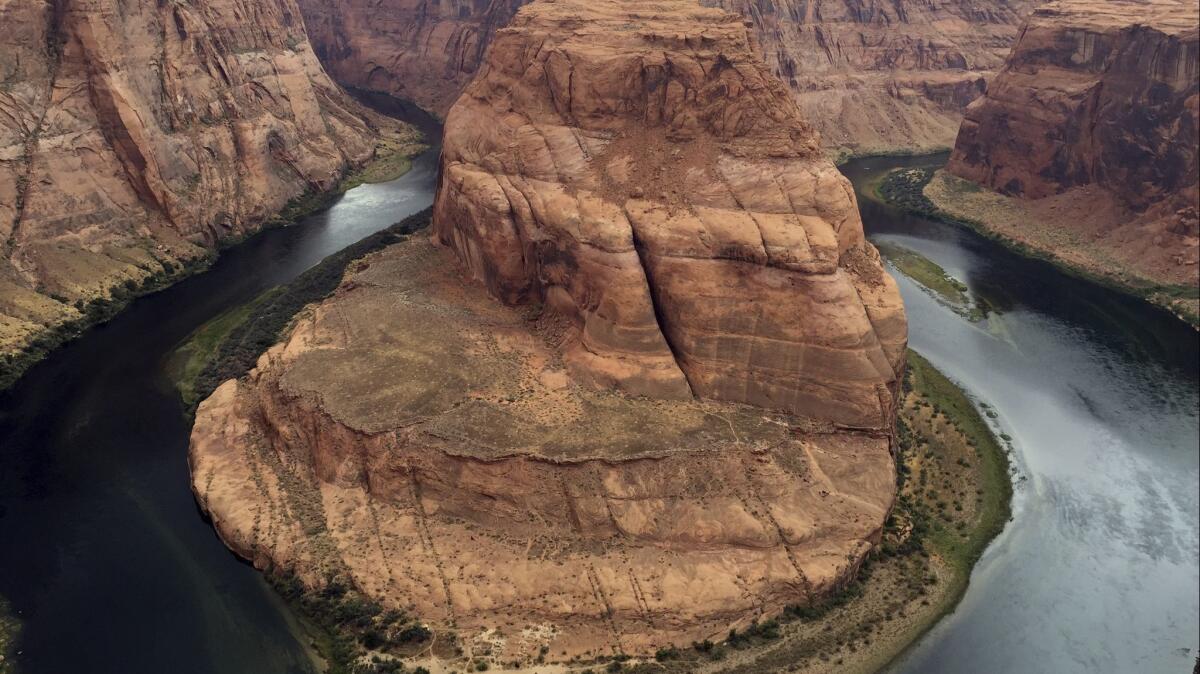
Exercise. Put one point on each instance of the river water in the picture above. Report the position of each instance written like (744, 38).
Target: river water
(1098, 570)
(111, 568)
(104, 555)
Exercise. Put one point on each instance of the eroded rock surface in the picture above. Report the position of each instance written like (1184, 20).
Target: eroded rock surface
(425, 52)
(423, 441)
(1098, 104)
(574, 470)
(138, 133)
(637, 168)
(884, 75)
(870, 76)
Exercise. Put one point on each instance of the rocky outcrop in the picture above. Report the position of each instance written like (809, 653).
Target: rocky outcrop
(870, 76)
(879, 76)
(1098, 104)
(137, 134)
(642, 173)
(422, 441)
(411, 49)
(575, 470)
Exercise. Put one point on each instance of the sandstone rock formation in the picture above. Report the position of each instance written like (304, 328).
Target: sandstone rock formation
(416, 437)
(655, 184)
(643, 196)
(878, 76)
(870, 76)
(1098, 106)
(411, 49)
(134, 134)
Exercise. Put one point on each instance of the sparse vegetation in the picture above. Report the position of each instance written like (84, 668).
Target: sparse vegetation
(931, 276)
(9, 626)
(905, 189)
(228, 346)
(954, 493)
(354, 634)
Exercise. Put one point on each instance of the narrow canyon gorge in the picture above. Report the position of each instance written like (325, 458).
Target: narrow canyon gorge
(135, 137)
(1086, 143)
(870, 77)
(639, 388)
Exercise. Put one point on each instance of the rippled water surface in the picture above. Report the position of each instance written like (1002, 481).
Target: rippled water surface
(103, 552)
(1098, 570)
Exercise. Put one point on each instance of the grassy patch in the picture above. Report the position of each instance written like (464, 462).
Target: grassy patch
(229, 345)
(905, 189)
(354, 634)
(9, 626)
(926, 272)
(188, 361)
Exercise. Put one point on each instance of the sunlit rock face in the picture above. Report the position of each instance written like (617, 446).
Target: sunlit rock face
(133, 132)
(644, 174)
(634, 390)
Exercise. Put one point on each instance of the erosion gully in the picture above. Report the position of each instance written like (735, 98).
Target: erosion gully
(111, 568)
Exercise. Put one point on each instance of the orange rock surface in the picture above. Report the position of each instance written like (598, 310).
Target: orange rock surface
(1096, 111)
(133, 133)
(575, 470)
(869, 76)
(643, 173)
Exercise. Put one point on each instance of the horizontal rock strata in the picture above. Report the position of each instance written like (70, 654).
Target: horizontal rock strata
(427, 443)
(1098, 105)
(137, 134)
(642, 173)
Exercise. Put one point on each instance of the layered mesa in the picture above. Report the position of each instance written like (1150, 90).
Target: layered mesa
(637, 389)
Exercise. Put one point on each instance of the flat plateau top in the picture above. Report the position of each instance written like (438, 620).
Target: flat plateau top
(407, 342)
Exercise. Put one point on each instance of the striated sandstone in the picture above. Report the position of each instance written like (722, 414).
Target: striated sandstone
(637, 168)
(880, 76)
(137, 134)
(870, 76)
(575, 468)
(423, 441)
(1096, 113)
(411, 49)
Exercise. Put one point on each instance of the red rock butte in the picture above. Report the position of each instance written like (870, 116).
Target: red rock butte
(676, 420)
(642, 173)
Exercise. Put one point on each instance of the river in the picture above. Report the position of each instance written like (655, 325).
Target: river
(1098, 570)
(104, 556)
(112, 569)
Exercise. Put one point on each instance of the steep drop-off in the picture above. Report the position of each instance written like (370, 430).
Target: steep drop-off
(663, 192)
(883, 76)
(870, 77)
(1092, 127)
(573, 470)
(136, 135)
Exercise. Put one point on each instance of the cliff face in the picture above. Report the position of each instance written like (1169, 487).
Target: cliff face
(873, 76)
(134, 134)
(661, 190)
(1098, 103)
(1100, 93)
(412, 49)
(657, 219)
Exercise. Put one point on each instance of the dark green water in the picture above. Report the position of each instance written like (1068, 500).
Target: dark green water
(1098, 571)
(103, 553)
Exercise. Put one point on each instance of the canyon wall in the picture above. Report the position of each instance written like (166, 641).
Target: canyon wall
(135, 135)
(664, 193)
(1096, 112)
(870, 76)
(881, 76)
(635, 388)
(425, 52)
